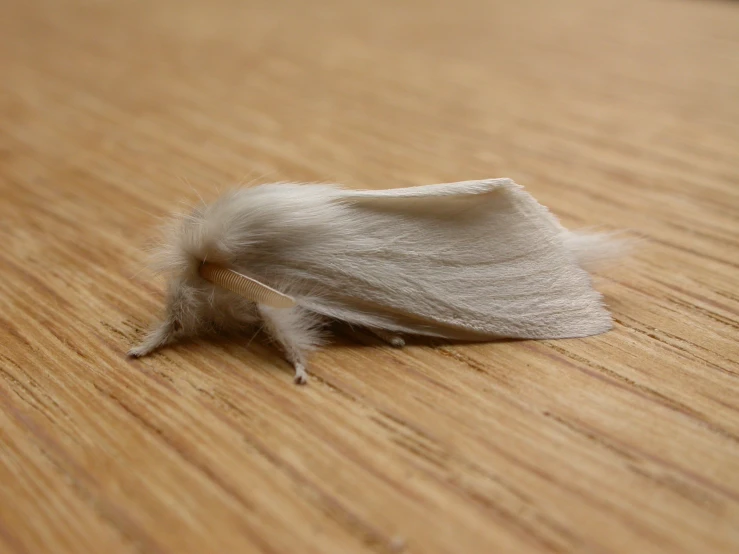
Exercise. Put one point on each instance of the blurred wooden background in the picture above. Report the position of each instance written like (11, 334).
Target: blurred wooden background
(621, 114)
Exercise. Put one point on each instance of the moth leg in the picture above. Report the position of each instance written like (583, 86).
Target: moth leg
(157, 337)
(289, 328)
(393, 339)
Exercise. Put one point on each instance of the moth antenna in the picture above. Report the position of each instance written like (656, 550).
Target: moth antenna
(249, 288)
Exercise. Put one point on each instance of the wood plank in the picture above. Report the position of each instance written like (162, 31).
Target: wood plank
(619, 115)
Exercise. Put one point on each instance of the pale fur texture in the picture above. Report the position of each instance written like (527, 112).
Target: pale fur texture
(469, 260)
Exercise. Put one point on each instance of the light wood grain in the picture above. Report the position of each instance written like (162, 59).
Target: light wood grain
(618, 114)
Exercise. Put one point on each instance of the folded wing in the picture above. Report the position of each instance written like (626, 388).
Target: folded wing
(462, 260)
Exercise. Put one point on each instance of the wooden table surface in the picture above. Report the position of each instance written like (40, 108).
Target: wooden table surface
(618, 114)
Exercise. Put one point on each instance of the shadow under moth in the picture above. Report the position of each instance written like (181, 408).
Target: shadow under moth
(474, 260)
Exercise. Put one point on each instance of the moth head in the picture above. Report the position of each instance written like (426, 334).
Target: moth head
(195, 307)
(210, 299)
(187, 313)
(204, 295)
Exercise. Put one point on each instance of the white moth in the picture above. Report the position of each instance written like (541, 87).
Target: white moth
(470, 260)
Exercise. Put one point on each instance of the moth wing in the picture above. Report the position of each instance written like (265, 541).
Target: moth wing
(461, 260)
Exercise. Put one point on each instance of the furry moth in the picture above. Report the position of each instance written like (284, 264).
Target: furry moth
(470, 260)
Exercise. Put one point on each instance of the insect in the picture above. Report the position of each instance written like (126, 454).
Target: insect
(472, 260)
